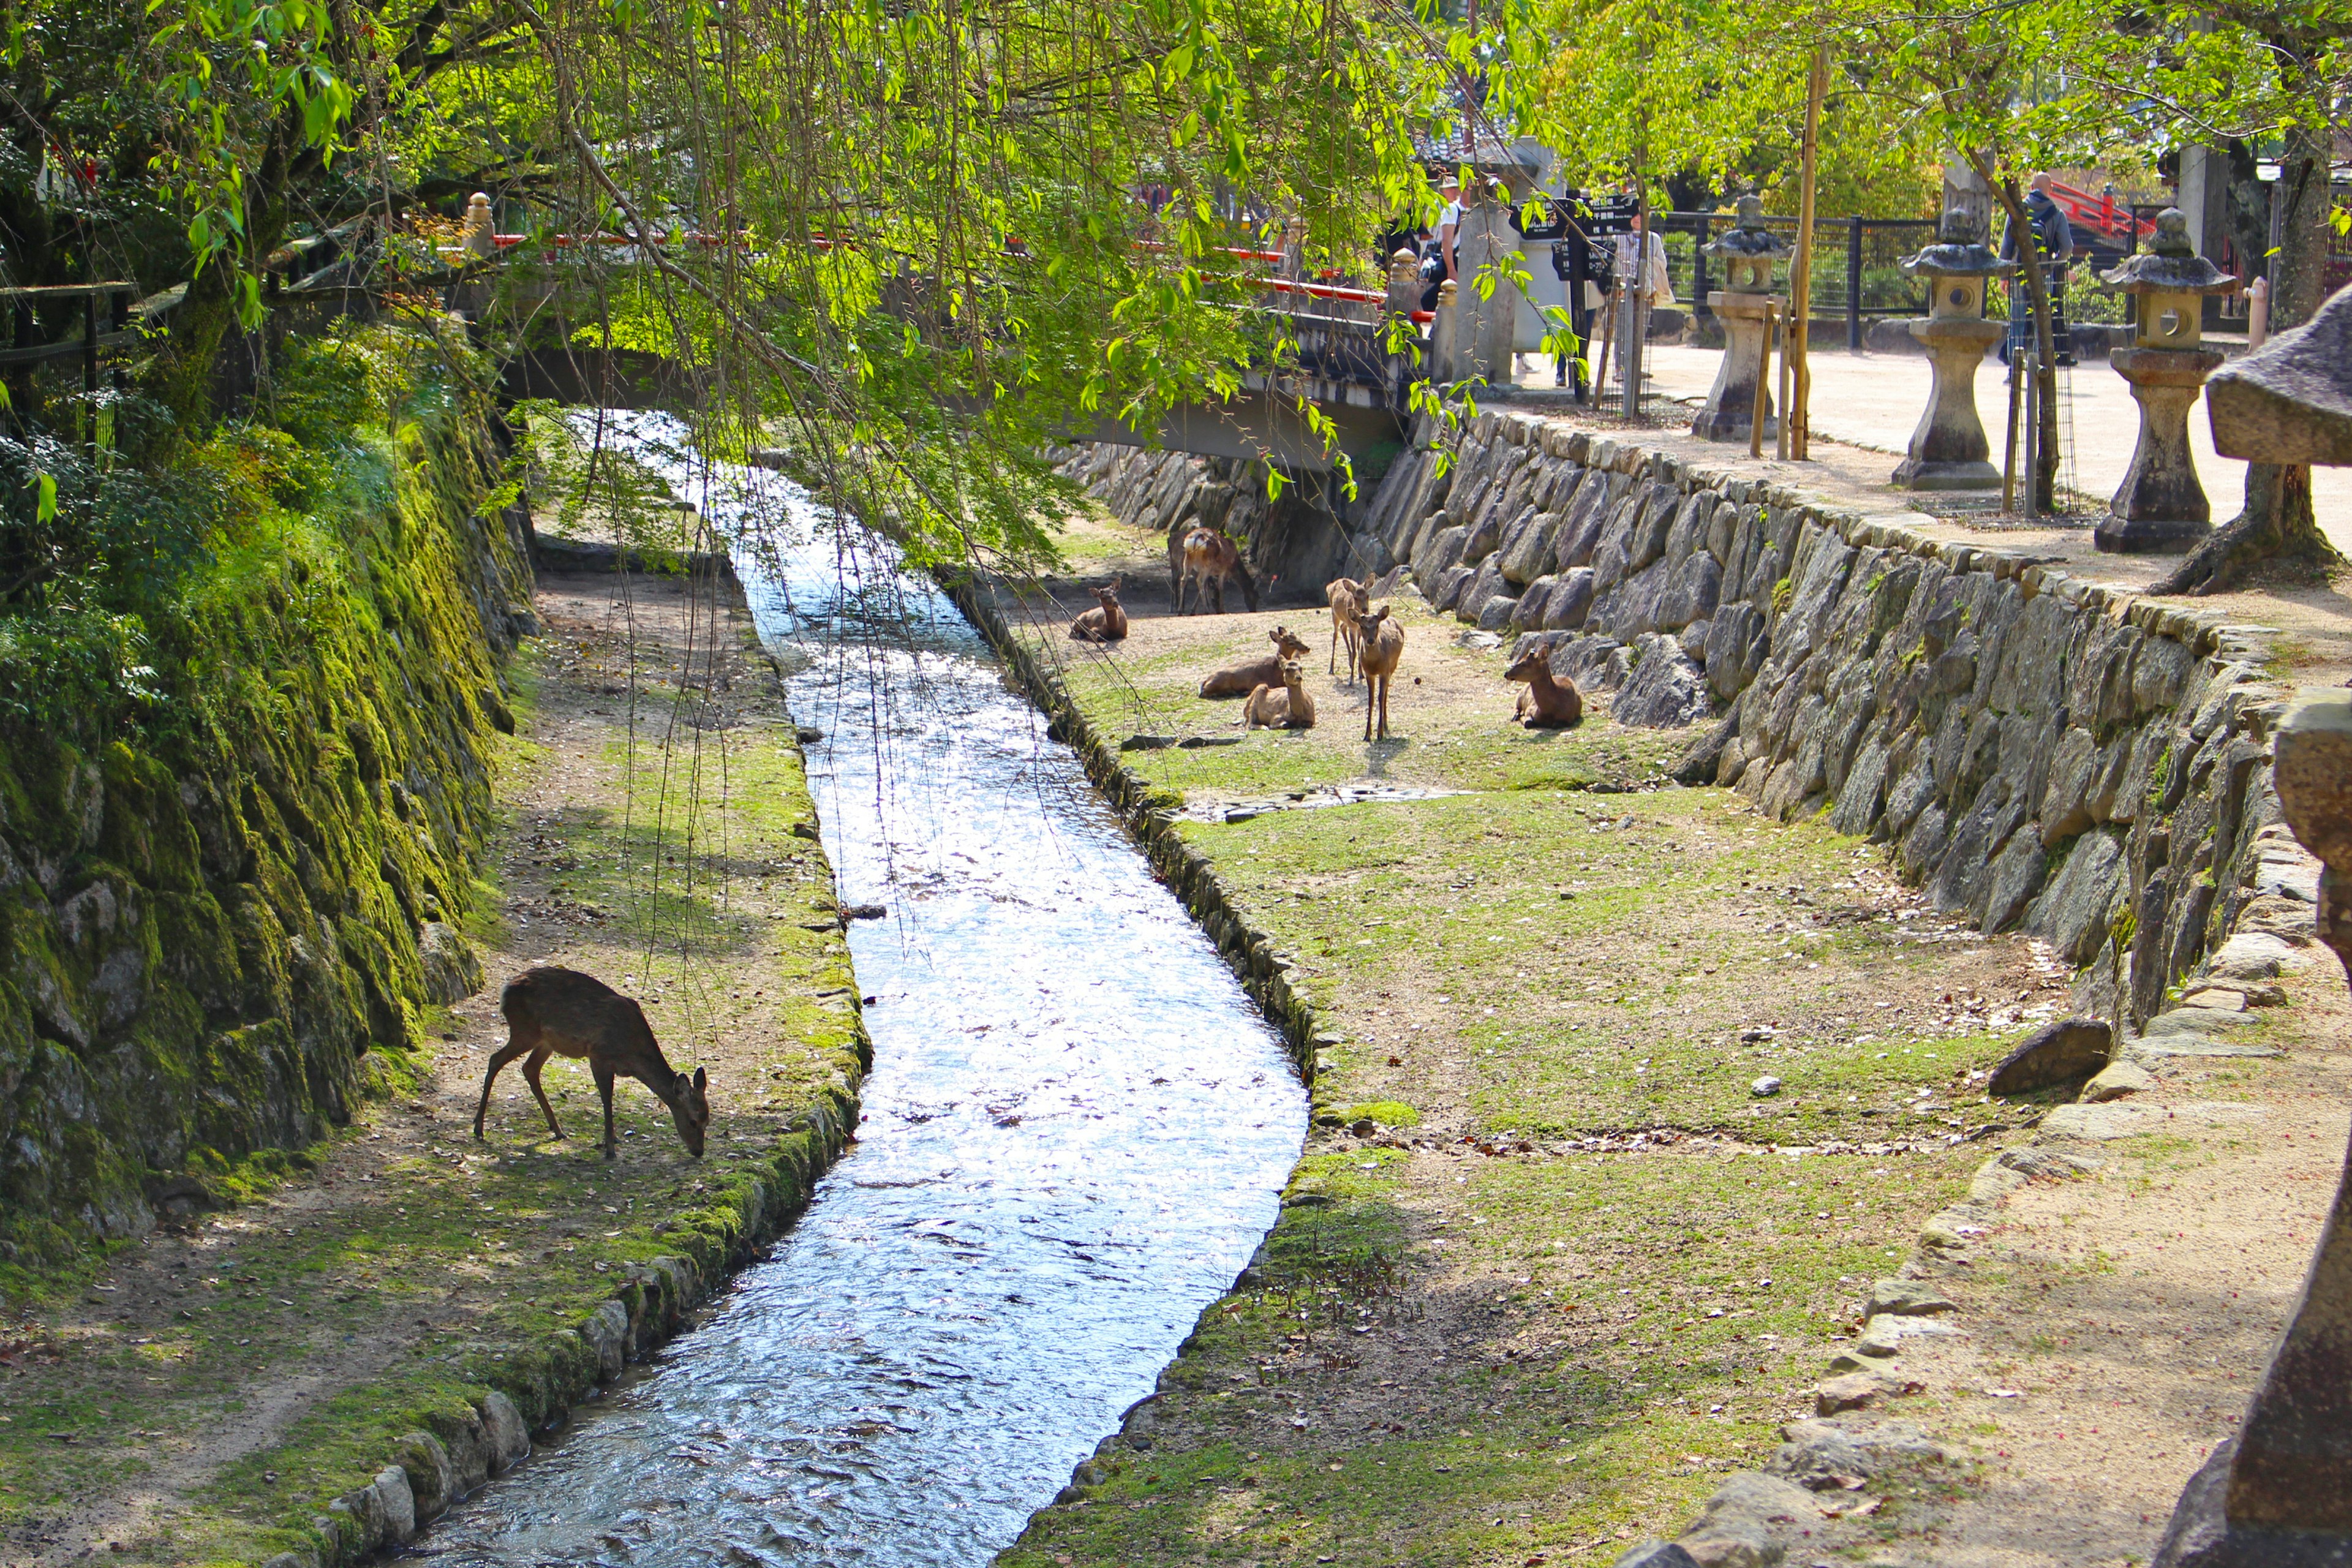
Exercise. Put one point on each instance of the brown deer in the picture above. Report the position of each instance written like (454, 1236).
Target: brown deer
(1284, 707)
(1382, 645)
(1206, 558)
(562, 1012)
(1350, 600)
(1107, 622)
(1548, 703)
(1241, 680)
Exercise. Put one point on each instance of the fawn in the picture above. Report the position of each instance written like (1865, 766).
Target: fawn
(1350, 600)
(562, 1012)
(1284, 707)
(1107, 622)
(1206, 558)
(1240, 680)
(1548, 703)
(1383, 647)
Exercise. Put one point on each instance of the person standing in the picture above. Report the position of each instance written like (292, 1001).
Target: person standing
(2054, 245)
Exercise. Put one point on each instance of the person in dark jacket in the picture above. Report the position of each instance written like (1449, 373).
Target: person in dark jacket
(2054, 245)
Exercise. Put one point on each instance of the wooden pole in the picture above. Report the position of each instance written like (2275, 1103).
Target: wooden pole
(1763, 385)
(2009, 445)
(1796, 415)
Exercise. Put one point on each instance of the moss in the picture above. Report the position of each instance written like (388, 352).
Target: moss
(1387, 1112)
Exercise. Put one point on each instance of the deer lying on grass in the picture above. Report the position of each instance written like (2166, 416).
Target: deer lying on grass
(562, 1012)
(1107, 622)
(1240, 680)
(1350, 600)
(1381, 645)
(1284, 707)
(1206, 558)
(1548, 703)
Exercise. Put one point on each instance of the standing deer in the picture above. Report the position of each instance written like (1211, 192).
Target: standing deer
(1284, 707)
(1107, 622)
(1350, 600)
(1206, 558)
(1240, 680)
(1383, 645)
(562, 1012)
(1548, 703)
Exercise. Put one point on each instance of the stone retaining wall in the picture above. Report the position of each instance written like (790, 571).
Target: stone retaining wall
(2043, 752)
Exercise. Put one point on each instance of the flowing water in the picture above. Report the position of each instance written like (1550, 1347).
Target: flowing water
(1075, 1132)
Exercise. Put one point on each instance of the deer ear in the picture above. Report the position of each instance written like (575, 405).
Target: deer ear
(701, 1081)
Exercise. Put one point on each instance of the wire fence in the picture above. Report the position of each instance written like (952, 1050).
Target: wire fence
(1856, 264)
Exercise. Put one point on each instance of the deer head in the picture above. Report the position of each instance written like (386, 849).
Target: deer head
(1286, 643)
(690, 1106)
(1525, 666)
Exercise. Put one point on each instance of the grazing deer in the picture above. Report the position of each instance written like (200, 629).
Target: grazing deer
(1240, 680)
(1206, 558)
(1107, 622)
(1548, 703)
(1284, 707)
(1381, 645)
(1350, 600)
(562, 1012)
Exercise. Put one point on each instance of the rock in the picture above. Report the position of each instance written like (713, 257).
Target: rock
(2100, 1123)
(1665, 691)
(2253, 955)
(2056, 1053)
(2216, 998)
(1494, 615)
(1735, 1542)
(1764, 1088)
(1850, 1391)
(2192, 1032)
(2118, 1080)
(502, 1424)
(1750, 1522)
(606, 1329)
(1884, 1335)
(1906, 1298)
(1820, 1455)
(2053, 1162)
(452, 969)
(1700, 764)
(1657, 1554)
(1845, 1363)
(396, 1505)
(432, 1483)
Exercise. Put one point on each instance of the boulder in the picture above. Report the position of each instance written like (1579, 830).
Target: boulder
(2118, 1080)
(1657, 1554)
(2057, 1053)
(1820, 1455)
(1495, 615)
(1664, 689)
(1906, 1297)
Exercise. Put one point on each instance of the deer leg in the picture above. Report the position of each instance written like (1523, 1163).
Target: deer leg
(604, 1088)
(530, 1066)
(1217, 594)
(516, 1046)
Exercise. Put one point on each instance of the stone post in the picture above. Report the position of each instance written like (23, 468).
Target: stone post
(1484, 332)
(2279, 1494)
(1404, 283)
(2161, 506)
(479, 236)
(1948, 451)
(1748, 252)
(1444, 334)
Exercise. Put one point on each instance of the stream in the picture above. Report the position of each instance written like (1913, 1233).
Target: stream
(1075, 1133)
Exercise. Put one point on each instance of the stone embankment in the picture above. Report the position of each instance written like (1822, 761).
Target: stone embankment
(2041, 752)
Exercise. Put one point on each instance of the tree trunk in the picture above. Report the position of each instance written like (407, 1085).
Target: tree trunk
(2277, 524)
(2045, 342)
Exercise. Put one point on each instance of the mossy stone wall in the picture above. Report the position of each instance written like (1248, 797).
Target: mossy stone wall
(218, 926)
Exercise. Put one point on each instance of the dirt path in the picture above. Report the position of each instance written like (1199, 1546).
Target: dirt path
(223, 1376)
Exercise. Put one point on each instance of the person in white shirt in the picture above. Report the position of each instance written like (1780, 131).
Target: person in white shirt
(1647, 278)
(1449, 221)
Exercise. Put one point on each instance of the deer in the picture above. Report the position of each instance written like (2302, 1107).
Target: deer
(1350, 600)
(1380, 643)
(1241, 680)
(562, 1012)
(1548, 703)
(1284, 707)
(1206, 558)
(1107, 622)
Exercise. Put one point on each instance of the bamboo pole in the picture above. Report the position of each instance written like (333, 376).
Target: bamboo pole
(1796, 415)
(1763, 388)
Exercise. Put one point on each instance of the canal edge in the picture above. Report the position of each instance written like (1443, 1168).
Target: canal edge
(535, 1388)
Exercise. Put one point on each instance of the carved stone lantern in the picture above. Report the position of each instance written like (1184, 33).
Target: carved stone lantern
(1744, 306)
(1948, 451)
(2279, 1493)
(2161, 505)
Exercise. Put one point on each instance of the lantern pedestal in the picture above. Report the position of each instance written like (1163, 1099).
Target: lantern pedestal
(1948, 451)
(2161, 506)
(1730, 407)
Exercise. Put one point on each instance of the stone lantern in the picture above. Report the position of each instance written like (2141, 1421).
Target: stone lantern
(1948, 451)
(2161, 505)
(1744, 306)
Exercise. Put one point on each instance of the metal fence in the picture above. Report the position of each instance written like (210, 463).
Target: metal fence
(1855, 264)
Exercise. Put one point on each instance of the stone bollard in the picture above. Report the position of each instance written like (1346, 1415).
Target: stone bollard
(2161, 506)
(1948, 451)
(1404, 283)
(2279, 1494)
(1748, 252)
(478, 236)
(1442, 334)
